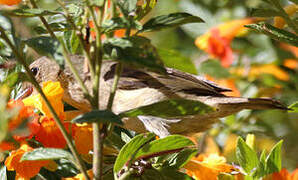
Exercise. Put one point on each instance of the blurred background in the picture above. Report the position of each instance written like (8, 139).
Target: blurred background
(249, 63)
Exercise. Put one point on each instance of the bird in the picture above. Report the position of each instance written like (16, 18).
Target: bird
(139, 87)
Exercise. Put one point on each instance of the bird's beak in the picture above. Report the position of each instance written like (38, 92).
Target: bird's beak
(25, 93)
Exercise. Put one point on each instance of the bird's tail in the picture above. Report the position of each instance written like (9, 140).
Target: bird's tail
(254, 103)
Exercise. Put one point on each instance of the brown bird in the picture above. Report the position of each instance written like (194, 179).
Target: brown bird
(138, 88)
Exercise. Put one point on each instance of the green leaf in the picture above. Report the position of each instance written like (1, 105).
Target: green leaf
(246, 157)
(165, 145)
(54, 27)
(136, 51)
(170, 108)
(264, 13)
(127, 7)
(119, 23)
(214, 69)
(3, 175)
(225, 177)
(102, 116)
(261, 170)
(175, 60)
(98, 3)
(173, 174)
(275, 33)
(273, 160)
(44, 45)
(46, 154)
(169, 20)
(129, 149)
(115, 141)
(178, 160)
(294, 107)
(31, 12)
(14, 78)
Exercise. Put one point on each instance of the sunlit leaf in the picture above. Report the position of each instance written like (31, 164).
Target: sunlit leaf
(246, 157)
(14, 78)
(170, 108)
(169, 20)
(294, 107)
(178, 160)
(273, 160)
(47, 154)
(165, 145)
(275, 33)
(102, 116)
(129, 149)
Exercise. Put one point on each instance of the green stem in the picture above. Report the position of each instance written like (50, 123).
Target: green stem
(52, 110)
(44, 21)
(74, 70)
(81, 39)
(114, 86)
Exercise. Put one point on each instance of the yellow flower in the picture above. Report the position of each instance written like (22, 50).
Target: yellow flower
(54, 93)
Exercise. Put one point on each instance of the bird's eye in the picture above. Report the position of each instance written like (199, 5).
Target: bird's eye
(34, 70)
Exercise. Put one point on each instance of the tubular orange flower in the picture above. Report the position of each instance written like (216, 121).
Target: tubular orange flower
(24, 169)
(82, 135)
(7, 146)
(217, 41)
(54, 93)
(24, 112)
(291, 63)
(46, 132)
(207, 167)
(10, 2)
(290, 10)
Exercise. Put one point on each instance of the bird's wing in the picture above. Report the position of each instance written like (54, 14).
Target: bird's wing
(174, 80)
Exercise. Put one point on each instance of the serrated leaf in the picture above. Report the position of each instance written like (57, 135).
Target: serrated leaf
(178, 160)
(273, 160)
(169, 20)
(275, 33)
(102, 116)
(136, 51)
(44, 45)
(129, 149)
(14, 78)
(165, 145)
(46, 154)
(214, 69)
(170, 108)
(175, 60)
(3, 175)
(246, 157)
(293, 107)
(31, 12)
(264, 13)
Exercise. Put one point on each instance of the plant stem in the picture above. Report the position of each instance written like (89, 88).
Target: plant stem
(114, 86)
(44, 21)
(81, 39)
(52, 110)
(74, 70)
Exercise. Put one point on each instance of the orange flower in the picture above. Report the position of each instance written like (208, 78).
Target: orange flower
(228, 83)
(24, 113)
(291, 63)
(283, 175)
(47, 132)
(10, 2)
(82, 135)
(256, 71)
(217, 41)
(290, 10)
(207, 167)
(54, 92)
(24, 169)
(7, 146)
